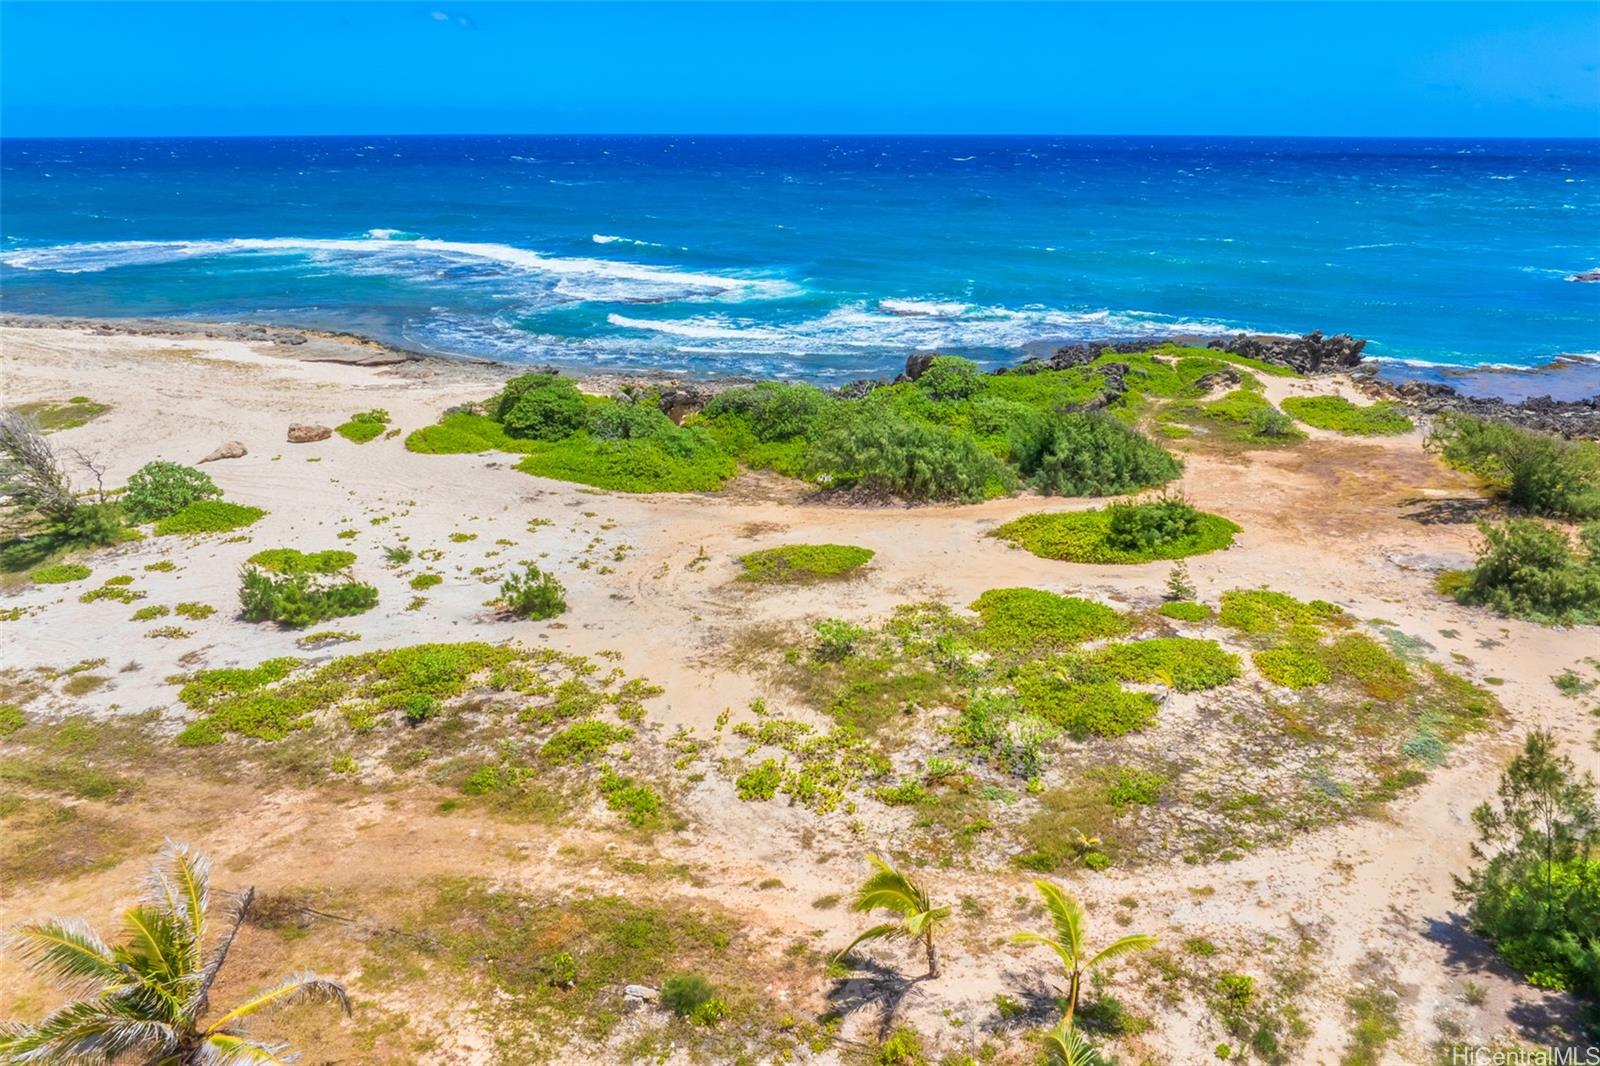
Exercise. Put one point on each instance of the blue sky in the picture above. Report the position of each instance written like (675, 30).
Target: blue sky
(1476, 69)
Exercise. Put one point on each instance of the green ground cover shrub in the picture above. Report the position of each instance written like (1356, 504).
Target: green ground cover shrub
(1540, 472)
(1180, 663)
(464, 433)
(533, 594)
(423, 582)
(1263, 611)
(685, 460)
(1185, 611)
(294, 561)
(1292, 667)
(1243, 415)
(1121, 533)
(208, 516)
(364, 426)
(60, 573)
(1084, 708)
(55, 416)
(299, 599)
(1031, 620)
(803, 563)
(159, 489)
(583, 742)
(1382, 419)
(1526, 569)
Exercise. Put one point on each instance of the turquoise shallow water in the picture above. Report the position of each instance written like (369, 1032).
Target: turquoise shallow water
(828, 258)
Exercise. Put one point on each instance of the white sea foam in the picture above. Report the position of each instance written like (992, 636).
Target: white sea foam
(607, 238)
(576, 278)
(862, 328)
(922, 307)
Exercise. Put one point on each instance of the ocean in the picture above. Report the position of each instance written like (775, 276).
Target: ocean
(824, 258)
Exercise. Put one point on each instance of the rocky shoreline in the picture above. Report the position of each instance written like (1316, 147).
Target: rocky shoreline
(1312, 354)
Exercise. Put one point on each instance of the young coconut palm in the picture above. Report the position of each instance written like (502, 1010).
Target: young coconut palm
(1065, 1046)
(1066, 914)
(890, 890)
(147, 997)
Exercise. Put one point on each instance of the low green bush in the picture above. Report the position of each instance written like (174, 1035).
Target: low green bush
(208, 516)
(950, 377)
(803, 563)
(1381, 419)
(1121, 533)
(364, 426)
(683, 994)
(1088, 455)
(771, 410)
(294, 561)
(630, 421)
(300, 599)
(884, 452)
(837, 639)
(541, 407)
(1526, 569)
(60, 573)
(159, 489)
(533, 594)
(1538, 471)
(423, 582)
(1024, 620)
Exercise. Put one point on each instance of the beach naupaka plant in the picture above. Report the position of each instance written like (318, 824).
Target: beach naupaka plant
(147, 999)
(887, 889)
(1067, 916)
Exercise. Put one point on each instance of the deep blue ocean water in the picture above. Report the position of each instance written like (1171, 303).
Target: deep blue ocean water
(823, 257)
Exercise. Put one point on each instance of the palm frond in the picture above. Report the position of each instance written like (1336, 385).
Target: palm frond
(889, 889)
(1132, 942)
(1066, 914)
(300, 988)
(157, 948)
(231, 1049)
(886, 931)
(87, 1031)
(1065, 1046)
(67, 950)
(1049, 942)
(181, 882)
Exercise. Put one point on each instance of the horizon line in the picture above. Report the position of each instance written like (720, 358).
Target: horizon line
(809, 134)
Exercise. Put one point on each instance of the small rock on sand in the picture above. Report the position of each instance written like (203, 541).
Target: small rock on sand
(303, 433)
(231, 450)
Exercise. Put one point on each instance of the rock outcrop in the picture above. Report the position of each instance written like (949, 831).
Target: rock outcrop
(230, 450)
(1577, 419)
(1310, 354)
(305, 433)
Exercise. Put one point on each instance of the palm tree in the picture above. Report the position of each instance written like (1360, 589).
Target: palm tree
(145, 998)
(890, 890)
(1065, 1046)
(1066, 914)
